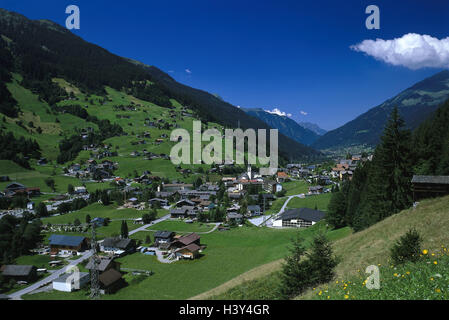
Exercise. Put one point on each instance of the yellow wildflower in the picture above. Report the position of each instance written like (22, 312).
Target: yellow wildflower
(435, 262)
(425, 251)
(346, 296)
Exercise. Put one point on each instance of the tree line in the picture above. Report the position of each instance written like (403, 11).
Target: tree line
(382, 187)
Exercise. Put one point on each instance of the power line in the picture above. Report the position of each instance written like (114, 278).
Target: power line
(94, 272)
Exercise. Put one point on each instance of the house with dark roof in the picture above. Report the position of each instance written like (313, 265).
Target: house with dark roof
(110, 281)
(118, 246)
(104, 264)
(67, 244)
(254, 210)
(26, 273)
(158, 201)
(163, 237)
(234, 217)
(192, 251)
(429, 186)
(316, 190)
(186, 240)
(299, 218)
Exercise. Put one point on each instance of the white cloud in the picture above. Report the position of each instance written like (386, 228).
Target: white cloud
(303, 113)
(412, 50)
(279, 112)
(188, 71)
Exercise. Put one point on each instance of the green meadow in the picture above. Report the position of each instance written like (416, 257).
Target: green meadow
(228, 254)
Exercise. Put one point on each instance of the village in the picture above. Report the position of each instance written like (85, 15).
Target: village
(156, 204)
(233, 201)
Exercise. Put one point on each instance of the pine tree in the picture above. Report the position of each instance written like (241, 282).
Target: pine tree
(295, 272)
(124, 230)
(321, 261)
(335, 215)
(388, 188)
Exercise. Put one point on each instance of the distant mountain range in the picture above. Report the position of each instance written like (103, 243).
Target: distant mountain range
(313, 127)
(306, 133)
(415, 105)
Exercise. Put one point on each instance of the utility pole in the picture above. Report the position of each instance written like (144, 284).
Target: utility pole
(94, 273)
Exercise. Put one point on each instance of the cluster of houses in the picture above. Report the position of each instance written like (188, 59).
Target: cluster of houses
(93, 169)
(178, 247)
(345, 168)
(17, 189)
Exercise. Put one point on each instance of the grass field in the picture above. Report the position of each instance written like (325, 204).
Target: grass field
(181, 226)
(295, 187)
(321, 201)
(372, 247)
(426, 279)
(228, 254)
(97, 210)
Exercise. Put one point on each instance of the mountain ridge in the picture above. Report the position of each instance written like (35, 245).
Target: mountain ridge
(40, 51)
(415, 104)
(285, 125)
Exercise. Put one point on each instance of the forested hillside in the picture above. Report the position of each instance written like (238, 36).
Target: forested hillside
(414, 104)
(382, 187)
(41, 51)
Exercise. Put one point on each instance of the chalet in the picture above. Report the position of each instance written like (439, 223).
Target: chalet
(323, 180)
(63, 283)
(235, 217)
(99, 222)
(186, 240)
(298, 218)
(159, 201)
(110, 281)
(281, 177)
(316, 190)
(105, 263)
(184, 202)
(254, 210)
(164, 194)
(118, 246)
(19, 272)
(272, 186)
(67, 244)
(15, 186)
(80, 190)
(191, 251)
(184, 212)
(429, 186)
(161, 237)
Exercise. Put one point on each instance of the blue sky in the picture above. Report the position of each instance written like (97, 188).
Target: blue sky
(290, 55)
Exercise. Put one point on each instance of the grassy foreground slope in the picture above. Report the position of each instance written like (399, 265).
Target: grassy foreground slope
(370, 247)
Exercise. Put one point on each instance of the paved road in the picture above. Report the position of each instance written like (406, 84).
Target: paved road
(18, 294)
(269, 221)
(142, 228)
(56, 274)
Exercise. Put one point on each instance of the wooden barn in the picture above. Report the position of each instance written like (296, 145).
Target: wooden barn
(67, 244)
(429, 186)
